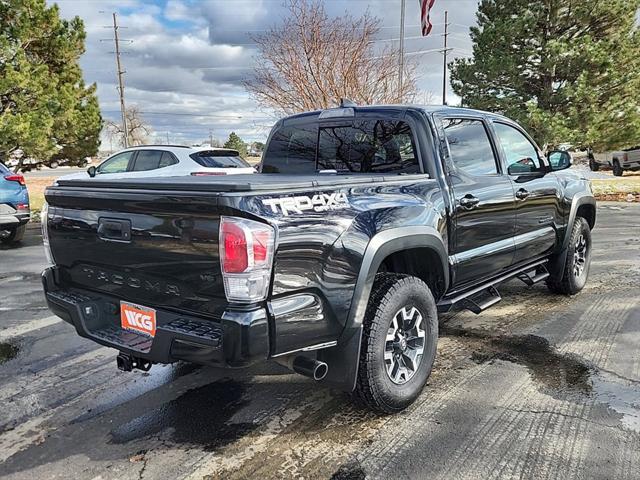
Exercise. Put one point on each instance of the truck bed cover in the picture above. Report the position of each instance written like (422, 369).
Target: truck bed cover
(236, 183)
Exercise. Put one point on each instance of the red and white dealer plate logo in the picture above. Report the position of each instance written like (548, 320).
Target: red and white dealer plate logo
(138, 318)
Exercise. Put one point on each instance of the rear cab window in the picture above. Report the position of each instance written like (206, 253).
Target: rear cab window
(345, 146)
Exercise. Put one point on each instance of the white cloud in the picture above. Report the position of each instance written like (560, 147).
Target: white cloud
(188, 58)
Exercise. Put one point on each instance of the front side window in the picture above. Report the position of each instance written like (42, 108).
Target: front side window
(368, 146)
(116, 164)
(469, 146)
(521, 154)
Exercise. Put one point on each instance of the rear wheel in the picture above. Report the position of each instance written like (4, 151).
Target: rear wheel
(617, 169)
(576, 268)
(13, 235)
(398, 343)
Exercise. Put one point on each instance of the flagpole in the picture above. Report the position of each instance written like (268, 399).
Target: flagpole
(401, 60)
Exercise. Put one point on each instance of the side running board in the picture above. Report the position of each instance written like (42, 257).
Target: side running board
(541, 273)
(482, 300)
(485, 295)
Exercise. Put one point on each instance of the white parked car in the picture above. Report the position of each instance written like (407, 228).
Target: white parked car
(168, 161)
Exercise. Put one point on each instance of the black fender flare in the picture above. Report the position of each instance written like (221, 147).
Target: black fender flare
(343, 359)
(579, 199)
(556, 264)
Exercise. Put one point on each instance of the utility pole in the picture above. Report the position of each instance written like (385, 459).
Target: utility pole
(401, 60)
(120, 81)
(167, 138)
(211, 138)
(444, 56)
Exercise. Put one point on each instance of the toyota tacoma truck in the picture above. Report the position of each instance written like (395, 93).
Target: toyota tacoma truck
(334, 260)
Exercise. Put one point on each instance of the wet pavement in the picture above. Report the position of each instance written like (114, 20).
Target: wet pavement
(538, 386)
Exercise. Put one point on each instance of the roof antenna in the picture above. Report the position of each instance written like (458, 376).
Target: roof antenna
(345, 102)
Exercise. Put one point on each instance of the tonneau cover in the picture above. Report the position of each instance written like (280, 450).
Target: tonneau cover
(236, 183)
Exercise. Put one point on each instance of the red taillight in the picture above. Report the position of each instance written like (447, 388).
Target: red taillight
(22, 206)
(204, 174)
(15, 177)
(235, 258)
(246, 256)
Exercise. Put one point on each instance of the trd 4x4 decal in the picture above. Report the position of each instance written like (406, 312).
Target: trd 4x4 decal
(318, 203)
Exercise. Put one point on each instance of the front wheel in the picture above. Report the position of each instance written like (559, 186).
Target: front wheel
(574, 275)
(399, 342)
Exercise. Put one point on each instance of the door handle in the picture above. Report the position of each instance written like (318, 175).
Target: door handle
(469, 201)
(522, 194)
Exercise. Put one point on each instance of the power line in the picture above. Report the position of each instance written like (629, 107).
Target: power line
(186, 114)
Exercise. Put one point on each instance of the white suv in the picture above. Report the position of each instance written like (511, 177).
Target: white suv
(168, 161)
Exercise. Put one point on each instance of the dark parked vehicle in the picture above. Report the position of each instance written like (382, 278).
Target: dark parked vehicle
(14, 206)
(335, 260)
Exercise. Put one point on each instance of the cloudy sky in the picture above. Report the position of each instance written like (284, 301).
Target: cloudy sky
(185, 59)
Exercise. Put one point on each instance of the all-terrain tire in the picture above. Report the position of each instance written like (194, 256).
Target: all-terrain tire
(572, 279)
(393, 296)
(593, 165)
(15, 234)
(617, 169)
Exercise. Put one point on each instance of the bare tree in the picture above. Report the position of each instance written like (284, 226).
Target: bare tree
(137, 130)
(311, 61)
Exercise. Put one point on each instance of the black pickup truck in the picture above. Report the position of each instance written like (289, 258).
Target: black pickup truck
(334, 260)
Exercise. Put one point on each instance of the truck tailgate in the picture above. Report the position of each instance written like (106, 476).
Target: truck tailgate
(146, 247)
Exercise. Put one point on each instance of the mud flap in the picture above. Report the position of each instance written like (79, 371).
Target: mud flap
(343, 361)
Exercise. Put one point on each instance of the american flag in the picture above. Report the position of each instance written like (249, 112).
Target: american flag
(425, 9)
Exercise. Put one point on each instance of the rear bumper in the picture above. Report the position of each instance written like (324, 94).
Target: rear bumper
(236, 339)
(14, 219)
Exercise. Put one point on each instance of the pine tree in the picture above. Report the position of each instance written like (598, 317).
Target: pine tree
(45, 108)
(568, 71)
(236, 143)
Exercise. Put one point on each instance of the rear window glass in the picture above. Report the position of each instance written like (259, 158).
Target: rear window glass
(361, 146)
(4, 170)
(291, 150)
(221, 159)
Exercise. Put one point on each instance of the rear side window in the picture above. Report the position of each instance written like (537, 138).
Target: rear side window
(147, 160)
(291, 150)
(368, 147)
(220, 159)
(361, 146)
(469, 146)
(167, 159)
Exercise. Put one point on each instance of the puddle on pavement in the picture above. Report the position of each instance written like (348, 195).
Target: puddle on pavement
(620, 395)
(7, 352)
(199, 417)
(549, 368)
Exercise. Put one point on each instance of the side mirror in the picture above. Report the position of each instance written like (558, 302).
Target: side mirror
(559, 160)
(91, 171)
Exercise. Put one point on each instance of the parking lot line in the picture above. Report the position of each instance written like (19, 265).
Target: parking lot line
(28, 327)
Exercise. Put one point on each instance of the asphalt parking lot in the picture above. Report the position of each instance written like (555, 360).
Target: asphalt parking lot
(539, 386)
